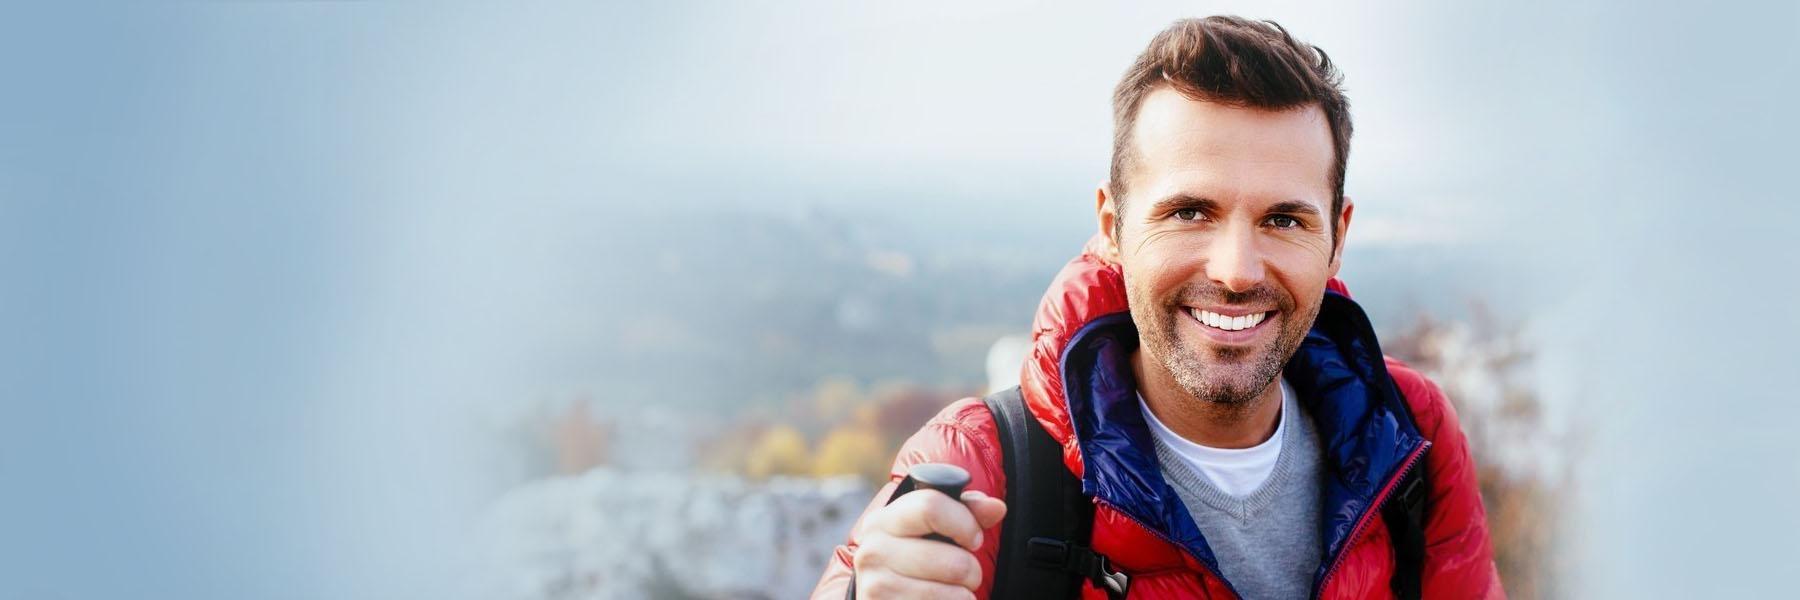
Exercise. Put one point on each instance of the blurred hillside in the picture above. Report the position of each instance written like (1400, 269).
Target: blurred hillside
(841, 338)
(767, 304)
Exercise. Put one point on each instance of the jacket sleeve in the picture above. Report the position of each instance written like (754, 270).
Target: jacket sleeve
(1459, 559)
(962, 434)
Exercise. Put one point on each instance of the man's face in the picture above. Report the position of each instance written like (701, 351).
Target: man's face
(1225, 240)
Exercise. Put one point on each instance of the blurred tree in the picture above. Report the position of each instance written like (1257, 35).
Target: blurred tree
(780, 451)
(580, 442)
(729, 450)
(902, 407)
(1482, 367)
(856, 449)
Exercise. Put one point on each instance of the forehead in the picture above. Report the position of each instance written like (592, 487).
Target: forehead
(1226, 152)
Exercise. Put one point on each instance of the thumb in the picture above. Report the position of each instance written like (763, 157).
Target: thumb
(988, 511)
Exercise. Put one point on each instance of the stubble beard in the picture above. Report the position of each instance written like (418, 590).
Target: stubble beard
(1221, 377)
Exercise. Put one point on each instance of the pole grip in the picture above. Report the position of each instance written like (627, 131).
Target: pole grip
(946, 478)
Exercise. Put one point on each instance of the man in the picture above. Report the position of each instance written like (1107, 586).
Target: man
(1222, 400)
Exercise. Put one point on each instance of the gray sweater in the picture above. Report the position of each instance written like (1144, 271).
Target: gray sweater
(1268, 543)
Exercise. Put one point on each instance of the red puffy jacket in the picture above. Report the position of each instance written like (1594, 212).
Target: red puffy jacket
(1376, 418)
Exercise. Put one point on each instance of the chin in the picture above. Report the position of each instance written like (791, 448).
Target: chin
(1231, 390)
(1234, 381)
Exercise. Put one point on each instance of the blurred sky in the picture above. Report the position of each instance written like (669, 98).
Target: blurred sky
(266, 264)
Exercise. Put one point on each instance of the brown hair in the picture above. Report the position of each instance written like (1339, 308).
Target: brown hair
(1239, 62)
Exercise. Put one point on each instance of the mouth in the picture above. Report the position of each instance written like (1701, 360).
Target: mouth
(1230, 325)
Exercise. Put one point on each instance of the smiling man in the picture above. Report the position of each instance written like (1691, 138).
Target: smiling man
(1215, 404)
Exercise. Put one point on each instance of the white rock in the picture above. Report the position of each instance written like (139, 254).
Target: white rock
(630, 534)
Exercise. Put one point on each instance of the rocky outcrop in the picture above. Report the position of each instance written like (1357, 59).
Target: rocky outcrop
(609, 534)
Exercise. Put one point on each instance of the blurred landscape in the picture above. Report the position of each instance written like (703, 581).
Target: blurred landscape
(838, 341)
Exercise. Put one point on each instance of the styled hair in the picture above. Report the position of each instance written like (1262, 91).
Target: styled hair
(1238, 62)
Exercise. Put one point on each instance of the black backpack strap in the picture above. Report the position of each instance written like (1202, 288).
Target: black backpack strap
(1405, 517)
(1043, 540)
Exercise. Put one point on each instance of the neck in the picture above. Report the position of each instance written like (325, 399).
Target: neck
(1205, 422)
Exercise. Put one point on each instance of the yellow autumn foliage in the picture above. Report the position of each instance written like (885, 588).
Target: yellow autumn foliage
(853, 450)
(781, 450)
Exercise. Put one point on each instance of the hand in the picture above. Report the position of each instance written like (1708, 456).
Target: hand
(894, 560)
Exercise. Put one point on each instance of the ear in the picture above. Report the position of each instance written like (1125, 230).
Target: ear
(1107, 214)
(1343, 233)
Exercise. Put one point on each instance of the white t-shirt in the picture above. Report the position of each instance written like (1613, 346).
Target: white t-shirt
(1235, 471)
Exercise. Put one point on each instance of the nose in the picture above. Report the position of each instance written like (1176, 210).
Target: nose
(1233, 260)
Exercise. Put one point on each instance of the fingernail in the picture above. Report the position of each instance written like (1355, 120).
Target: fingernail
(978, 539)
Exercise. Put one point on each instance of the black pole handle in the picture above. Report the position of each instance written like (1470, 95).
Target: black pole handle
(946, 478)
(949, 479)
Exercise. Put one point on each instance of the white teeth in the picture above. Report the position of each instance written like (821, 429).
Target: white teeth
(1218, 321)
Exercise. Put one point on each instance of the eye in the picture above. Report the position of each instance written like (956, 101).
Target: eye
(1187, 214)
(1284, 222)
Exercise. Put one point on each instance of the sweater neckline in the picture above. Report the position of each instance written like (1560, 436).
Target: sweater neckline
(1295, 424)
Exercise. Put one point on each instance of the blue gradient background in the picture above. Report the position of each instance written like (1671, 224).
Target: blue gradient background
(266, 265)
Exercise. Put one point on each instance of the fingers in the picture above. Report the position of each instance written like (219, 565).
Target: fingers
(988, 511)
(875, 585)
(928, 511)
(922, 559)
(895, 560)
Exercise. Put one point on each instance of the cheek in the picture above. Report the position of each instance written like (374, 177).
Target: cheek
(1311, 250)
(1301, 259)
(1301, 274)
(1151, 287)
(1167, 268)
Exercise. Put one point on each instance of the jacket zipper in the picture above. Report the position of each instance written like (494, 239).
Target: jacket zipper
(1362, 522)
(1184, 550)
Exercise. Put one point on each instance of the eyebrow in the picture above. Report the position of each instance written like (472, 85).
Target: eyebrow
(1294, 207)
(1180, 201)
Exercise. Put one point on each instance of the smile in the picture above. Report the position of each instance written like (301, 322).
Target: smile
(1225, 322)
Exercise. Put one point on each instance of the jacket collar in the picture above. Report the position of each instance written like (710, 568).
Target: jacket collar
(1078, 383)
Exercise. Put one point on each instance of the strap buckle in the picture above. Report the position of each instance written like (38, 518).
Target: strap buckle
(1114, 582)
(1054, 554)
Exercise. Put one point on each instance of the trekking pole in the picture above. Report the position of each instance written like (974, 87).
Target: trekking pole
(946, 478)
(949, 479)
